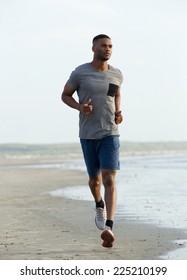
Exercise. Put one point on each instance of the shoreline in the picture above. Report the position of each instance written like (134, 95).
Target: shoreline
(37, 226)
(36, 153)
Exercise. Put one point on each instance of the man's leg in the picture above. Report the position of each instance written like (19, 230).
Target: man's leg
(110, 199)
(110, 192)
(95, 179)
(95, 187)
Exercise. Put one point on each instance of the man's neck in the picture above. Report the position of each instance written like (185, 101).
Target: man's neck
(100, 65)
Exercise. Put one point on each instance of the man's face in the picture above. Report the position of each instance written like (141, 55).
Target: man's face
(102, 49)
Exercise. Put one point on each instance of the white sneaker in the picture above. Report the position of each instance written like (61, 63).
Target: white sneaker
(100, 218)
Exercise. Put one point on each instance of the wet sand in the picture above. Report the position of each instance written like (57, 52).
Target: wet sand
(36, 226)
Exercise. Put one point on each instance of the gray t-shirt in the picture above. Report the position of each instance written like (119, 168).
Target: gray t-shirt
(100, 87)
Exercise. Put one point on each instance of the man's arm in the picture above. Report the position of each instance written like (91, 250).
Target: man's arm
(67, 98)
(118, 115)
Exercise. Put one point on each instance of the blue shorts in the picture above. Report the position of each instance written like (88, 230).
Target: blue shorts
(101, 154)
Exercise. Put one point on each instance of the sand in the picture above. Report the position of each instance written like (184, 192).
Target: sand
(37, 226)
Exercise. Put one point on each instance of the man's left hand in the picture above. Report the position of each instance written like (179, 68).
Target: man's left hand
(118, 117)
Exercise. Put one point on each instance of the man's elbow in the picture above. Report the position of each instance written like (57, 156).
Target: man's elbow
(63, 97)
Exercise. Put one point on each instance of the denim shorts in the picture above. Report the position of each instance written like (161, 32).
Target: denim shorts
(101, 154)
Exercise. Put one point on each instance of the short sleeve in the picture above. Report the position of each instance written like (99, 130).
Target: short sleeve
(120, 77)
(73, 80)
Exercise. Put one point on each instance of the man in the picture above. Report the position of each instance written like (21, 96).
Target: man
(98, 87)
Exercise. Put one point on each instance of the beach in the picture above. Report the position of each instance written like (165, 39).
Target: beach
(38, 226)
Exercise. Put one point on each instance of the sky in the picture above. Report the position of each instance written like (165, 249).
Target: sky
(43, 41)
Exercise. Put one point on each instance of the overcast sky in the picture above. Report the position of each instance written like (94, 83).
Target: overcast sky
(42, 41)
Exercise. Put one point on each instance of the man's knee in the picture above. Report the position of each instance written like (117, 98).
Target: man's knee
(108, 177)
(95, 182)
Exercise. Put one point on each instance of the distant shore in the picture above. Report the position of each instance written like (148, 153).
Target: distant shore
(20, 153)
(35, 225)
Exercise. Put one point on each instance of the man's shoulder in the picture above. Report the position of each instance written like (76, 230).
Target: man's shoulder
(117, 73)
(82, 67)
(114, 69)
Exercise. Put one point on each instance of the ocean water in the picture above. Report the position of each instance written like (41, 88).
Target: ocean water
(151, 189)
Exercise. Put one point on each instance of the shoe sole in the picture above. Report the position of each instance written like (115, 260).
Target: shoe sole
(108, 238)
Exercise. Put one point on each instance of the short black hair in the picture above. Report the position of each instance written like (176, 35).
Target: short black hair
(100, 36)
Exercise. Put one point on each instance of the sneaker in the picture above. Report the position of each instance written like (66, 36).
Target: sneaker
(100, 218)
(108, 237)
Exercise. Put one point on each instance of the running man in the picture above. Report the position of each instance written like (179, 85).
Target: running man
(98, 87)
